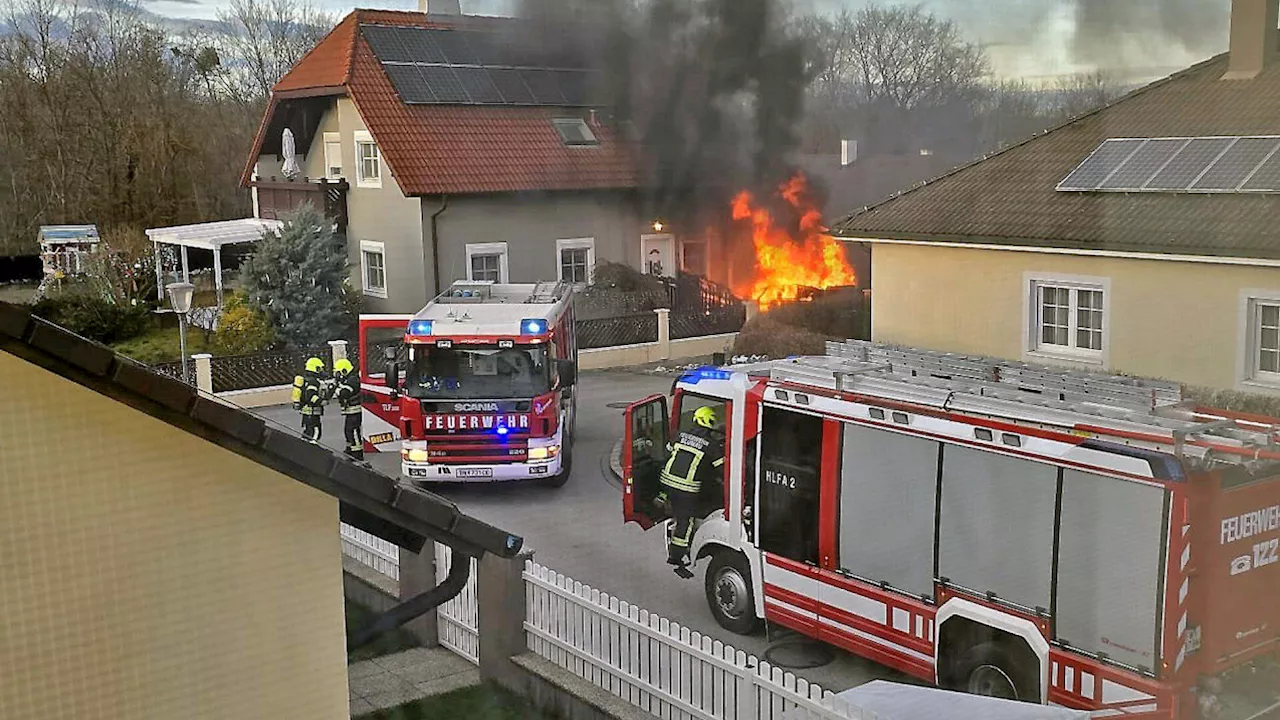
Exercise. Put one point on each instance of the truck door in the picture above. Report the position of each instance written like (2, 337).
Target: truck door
(644, 453)
(380, 335)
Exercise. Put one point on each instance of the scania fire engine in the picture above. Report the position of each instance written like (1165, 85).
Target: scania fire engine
(1052, 536)
(478, 386)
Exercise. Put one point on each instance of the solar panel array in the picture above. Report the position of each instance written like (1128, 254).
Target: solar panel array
(1180, 165)
(469, 67)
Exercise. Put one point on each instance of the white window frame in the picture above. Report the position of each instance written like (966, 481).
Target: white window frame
(588, 244)
(493, 248)
(372, 246)
(1031, 327)
(363, 138)
(332, 143)
(1250, 377)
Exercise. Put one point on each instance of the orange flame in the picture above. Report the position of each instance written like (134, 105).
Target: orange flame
(787, 265)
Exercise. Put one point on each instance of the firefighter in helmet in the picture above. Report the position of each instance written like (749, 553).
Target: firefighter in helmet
(695, 457)
(309, 397)
(347, 393)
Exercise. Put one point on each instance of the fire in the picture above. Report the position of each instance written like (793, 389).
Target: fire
(787, 262)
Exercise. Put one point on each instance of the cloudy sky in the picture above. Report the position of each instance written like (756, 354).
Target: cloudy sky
(1025, 38)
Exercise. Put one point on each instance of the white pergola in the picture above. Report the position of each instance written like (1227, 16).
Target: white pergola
(207, 236)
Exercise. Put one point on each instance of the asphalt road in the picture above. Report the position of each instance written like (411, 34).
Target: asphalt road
(577, 529)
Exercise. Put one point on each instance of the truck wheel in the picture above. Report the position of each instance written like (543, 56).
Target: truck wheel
(729, 595)
(559, 479)
(989, 670)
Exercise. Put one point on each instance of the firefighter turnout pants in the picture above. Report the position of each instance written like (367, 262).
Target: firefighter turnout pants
(311, 425)
(684, 514)
(351, 432)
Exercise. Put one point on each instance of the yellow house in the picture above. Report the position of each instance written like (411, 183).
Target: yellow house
(1143, 238)
(165, 555)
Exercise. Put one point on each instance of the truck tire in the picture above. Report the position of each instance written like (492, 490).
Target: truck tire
(562, 477)
(988, 669)
(729, 595)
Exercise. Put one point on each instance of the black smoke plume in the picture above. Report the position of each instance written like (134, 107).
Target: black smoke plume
(1109, 30)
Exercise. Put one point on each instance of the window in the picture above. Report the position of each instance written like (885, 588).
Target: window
(487, 262)
(332, 155)
(574, 131)
(368, 161)
(577, 259)
(1067, 318)
(373, 264)
(1261, 338)
(694, 260)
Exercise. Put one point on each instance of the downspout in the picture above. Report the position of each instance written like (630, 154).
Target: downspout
(435, 242)
(414, 607)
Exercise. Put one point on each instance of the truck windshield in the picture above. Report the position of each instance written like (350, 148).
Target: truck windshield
(478, 372)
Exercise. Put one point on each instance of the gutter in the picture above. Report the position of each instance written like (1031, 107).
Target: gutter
(435, 243)
(414, 607)
(1048, 250)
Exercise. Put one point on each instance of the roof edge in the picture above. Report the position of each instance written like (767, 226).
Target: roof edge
(1051, 247)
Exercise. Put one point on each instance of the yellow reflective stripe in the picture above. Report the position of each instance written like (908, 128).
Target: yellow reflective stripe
(718, 463)
(680, 484)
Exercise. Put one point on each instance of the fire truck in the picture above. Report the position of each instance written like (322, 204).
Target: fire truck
(1025, 532)
(479, 386)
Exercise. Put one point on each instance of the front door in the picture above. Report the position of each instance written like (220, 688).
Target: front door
(381, 338)
(644, 453)
(658, 255)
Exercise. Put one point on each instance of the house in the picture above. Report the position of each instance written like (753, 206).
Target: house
(453, 148)
(1142, 238)
(166, 555)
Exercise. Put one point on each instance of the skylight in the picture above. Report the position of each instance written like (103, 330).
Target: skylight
(574, 131)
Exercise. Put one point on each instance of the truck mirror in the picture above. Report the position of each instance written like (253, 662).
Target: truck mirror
(568, 370)
(390, 353)
(392, 379)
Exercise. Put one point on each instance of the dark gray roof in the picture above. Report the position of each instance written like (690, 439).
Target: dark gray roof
(368, 499)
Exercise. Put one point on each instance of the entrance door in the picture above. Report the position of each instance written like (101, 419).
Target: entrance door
(381, 345)
(644, 453)
(658, 255)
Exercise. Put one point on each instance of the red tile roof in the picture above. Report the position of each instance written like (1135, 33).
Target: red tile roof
(435, 149)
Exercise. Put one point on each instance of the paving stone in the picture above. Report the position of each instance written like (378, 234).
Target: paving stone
(360, 707)
(394, 698)
(448, 684)
(367, 687)
(363, 669)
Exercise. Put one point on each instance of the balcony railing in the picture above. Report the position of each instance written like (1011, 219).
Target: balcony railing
(277, 197)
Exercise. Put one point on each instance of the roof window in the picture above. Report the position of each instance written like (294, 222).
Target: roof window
(574, 131)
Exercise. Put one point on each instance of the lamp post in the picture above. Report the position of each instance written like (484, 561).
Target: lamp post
(180, 300)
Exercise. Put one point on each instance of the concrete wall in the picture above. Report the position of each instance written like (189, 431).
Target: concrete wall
(530, 224)
(1173, 320)
(152, 574)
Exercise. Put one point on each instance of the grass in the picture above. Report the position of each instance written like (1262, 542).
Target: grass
(162, 345)
(358, 618)
(482, 702)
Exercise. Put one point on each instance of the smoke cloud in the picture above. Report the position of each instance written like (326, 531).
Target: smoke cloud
(1111, 33)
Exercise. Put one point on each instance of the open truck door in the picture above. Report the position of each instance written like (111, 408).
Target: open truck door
(644, 454)
(382, 367)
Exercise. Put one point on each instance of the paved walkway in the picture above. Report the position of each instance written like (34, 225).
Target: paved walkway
(393, 680)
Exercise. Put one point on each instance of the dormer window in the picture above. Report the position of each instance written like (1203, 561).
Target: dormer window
(574, 131)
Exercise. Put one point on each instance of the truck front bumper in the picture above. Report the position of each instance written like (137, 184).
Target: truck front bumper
(435, 473)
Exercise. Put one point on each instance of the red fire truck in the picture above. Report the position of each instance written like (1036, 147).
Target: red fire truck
(1057, 537)
(477, 387)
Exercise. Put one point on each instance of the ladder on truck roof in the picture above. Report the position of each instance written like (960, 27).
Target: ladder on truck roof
(1129, 411)
(547, 291)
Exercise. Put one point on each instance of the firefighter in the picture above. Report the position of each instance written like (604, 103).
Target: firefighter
(695, 457)
(347, 392)
(308, 398)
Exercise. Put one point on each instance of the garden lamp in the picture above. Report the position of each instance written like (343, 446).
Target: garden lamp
(180, 300)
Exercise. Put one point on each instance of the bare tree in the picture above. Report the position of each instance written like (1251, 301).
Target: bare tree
(268, 37)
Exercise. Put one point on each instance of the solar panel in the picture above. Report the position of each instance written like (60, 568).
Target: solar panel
(1109, 156)
(575, 85)
(385, 44)
(1187, 165)
(1236, 164)
(444, 83)
(454, 45)
(486, 46)
(1267, 177)
(419, 45)
(409, 84)
(478, 85)
(1146, 162)
(544, 85)
(512, 88)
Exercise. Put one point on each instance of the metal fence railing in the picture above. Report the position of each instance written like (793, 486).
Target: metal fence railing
(711, 322)
(257, 370)
(623, 330)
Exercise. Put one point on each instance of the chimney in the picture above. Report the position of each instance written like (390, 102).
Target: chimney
(446, 7)
(1253, 37)
(848, 152)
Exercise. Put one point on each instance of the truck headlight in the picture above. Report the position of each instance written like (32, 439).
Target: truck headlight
(414, 451)
(544, 453)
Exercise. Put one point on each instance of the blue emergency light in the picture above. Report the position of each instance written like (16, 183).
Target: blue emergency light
(503, 430)
(533, 326)
(693, 377)
(420, 327)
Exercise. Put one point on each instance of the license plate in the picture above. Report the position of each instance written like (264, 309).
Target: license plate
(380, 439)
(473, 472)
(417, 472)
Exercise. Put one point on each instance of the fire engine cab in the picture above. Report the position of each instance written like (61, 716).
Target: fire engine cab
(1004, 529)
(477, 387)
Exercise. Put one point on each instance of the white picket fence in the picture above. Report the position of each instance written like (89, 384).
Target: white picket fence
(658, 666)
(458, 619)
(371, 550)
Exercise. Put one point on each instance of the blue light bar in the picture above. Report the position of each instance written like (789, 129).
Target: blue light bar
(503, 430)
(533, 326)
(420, 327)
(693, 377)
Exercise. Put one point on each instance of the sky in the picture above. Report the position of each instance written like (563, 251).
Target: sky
(1027, 39)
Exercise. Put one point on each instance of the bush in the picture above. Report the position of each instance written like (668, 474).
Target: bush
(95, 318)
(803, 328)
(620, 276)
(764, 335)
(1234, 401)
(242, 328)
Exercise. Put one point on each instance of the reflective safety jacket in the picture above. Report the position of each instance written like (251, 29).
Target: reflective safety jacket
(310, 392)
(347, 393)
(695, 455)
